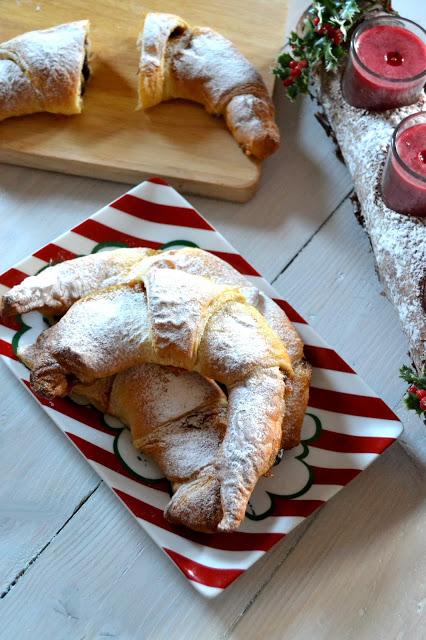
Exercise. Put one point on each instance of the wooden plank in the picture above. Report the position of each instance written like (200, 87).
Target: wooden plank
(177, 140)
(103, 577)
(334, 286)
(358, 572)
(37, 206)
(45, 479)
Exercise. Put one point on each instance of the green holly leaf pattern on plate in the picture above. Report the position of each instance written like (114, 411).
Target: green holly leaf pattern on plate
(134, 460)
(290, 477)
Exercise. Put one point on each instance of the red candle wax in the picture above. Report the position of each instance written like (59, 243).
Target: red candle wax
(387, 64)
(404, 180)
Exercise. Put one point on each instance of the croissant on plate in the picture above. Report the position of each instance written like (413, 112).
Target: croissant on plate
(54, 290)
(45, 70)
(169, 314)
(199, 64)
(178, 419)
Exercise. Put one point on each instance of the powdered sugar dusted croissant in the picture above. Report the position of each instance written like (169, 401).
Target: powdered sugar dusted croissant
(199, 64)
(178, 418)
(58, 287)
(179, 319)
(44, 70)
(55, 289)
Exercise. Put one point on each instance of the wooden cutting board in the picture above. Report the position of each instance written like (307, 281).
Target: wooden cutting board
(177, 140)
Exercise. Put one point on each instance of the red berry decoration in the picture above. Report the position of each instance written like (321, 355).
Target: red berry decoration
(320, 42)
(412, 389)
(420, 393)
(337, 37)
(423, 404)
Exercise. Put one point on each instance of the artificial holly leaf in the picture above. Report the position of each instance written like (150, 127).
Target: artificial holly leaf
(322, 40)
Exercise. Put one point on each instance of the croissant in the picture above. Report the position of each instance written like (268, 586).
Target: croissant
(45, 70)
(55, 289)
(178, 319)
(196, 63)
(59, 286)
(178, 419)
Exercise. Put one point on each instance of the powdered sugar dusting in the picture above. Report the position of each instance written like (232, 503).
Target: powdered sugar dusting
(252, 440)
(151, 395)
(180, 305)
(42, 70)
(178, 418)
(180, 314)
(236, 341)
(55, 289)
(202, 263)
(398, 241)
(196, 63)
(211, 70)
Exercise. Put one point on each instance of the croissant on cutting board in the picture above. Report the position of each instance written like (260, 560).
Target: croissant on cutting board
(199, 64)
(163, 311)
(45, 70)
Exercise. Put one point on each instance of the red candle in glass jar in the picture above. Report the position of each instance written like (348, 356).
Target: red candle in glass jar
(404, 178)
(386, 67)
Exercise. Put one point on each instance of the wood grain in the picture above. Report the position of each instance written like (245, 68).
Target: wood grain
(51, 480)
(177, 140)
(111, 579)
(356, 573)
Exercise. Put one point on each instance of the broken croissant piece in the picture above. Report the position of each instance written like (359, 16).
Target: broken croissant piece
(199, 64)
(45, 70)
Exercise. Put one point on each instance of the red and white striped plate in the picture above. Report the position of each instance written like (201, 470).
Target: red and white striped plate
(346, 425)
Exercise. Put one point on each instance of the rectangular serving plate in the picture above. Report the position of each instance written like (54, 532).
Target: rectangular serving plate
(346, 425)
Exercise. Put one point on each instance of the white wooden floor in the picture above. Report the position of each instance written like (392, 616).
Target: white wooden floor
(74, 564)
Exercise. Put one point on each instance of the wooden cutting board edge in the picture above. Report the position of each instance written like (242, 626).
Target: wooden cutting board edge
(240, 191)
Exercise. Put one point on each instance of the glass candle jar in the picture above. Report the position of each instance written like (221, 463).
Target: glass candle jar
(386, 66)
(404, 177)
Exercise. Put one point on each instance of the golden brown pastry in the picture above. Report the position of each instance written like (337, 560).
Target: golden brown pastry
(199, 262)
(197, 503)
(178, 419)
(44, 70)
(179, 319)
(197, 63)
(55, 289)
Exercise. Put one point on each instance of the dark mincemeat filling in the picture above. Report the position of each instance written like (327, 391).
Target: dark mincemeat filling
(85, 74)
